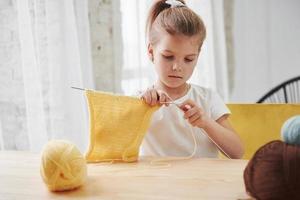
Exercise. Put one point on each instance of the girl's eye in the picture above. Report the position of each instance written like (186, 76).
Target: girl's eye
(168, 57)
(188, 60)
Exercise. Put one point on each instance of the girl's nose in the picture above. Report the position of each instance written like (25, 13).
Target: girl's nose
(176, 67)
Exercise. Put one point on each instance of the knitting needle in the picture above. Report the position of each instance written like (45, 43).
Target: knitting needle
(77, 88)
(186, 108)
(170, 102)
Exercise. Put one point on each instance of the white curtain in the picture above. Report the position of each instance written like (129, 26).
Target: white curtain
(138, 72)
(1, 137)
(55, 53)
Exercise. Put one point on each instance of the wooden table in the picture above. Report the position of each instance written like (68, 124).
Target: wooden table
(191, 179)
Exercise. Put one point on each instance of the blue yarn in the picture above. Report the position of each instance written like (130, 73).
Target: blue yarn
(290, 131)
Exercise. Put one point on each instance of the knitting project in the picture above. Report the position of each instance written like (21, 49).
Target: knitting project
(117, 126)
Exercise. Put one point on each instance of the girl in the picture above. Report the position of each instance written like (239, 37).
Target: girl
(176, 35)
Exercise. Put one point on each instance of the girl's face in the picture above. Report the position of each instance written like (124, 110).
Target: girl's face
(174, 57)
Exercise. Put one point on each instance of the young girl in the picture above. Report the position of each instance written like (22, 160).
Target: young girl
(176, 35)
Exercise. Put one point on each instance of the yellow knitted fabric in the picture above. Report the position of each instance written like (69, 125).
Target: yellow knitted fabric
(117, 126)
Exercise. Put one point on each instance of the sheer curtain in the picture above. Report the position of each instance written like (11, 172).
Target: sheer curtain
(55, 53)
(138, 72)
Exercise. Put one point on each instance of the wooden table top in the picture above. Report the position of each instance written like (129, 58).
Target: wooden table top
(190, 179)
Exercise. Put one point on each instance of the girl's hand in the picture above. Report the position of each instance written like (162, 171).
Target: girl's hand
(194, 114)
(155, 97)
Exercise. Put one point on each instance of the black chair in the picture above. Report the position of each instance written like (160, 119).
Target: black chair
(286, 92)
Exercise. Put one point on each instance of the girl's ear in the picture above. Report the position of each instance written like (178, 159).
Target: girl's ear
(150, 52)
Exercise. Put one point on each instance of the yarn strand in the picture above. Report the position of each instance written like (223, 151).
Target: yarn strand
(162, 160)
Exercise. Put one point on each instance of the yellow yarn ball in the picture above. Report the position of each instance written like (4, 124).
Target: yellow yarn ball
(63, 167)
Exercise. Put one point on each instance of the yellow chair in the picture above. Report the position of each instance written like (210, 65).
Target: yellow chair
(258, 124)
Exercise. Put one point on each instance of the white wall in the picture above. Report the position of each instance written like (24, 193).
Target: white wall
(266, 46)
(106, 39)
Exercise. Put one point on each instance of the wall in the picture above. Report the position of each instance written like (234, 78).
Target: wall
(105, 24)
(266, 46)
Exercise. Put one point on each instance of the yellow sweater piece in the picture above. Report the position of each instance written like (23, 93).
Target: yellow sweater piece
(117, 126)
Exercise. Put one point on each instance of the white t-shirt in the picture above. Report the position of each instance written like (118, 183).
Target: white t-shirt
(170, 134)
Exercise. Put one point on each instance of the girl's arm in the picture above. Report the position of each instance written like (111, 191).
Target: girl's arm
(224, 135)
(220, 131)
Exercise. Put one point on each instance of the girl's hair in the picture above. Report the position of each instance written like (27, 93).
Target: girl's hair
(177, 20)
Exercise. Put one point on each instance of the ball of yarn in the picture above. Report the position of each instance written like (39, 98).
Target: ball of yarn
(273, 172)
(290, 131)
(63, 167)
